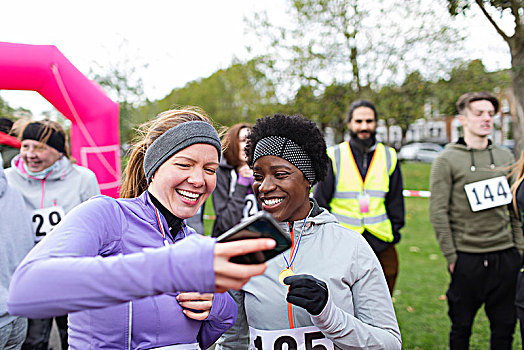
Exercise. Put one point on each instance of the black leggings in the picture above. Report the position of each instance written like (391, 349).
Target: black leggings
(38, 332)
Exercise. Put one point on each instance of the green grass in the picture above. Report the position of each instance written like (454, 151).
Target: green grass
(423, 278)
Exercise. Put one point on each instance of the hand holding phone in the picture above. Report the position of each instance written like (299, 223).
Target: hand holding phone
(261, 225)
(229, 275)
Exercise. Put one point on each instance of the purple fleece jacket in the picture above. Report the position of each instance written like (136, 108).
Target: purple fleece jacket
(106, 253)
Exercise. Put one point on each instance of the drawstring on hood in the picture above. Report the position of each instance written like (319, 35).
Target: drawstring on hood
(472, 154)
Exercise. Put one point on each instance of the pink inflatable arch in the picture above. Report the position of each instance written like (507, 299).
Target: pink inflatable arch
(95, 140)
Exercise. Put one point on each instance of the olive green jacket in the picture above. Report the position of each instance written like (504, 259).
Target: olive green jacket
(457, 227)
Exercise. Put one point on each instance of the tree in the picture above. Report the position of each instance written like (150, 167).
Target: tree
(403, 104)
(355, 42)
(239, 93)
(123, 86)
(469, 76)
(335, 103)
(494, 11)
(5, 110)
(306, 103)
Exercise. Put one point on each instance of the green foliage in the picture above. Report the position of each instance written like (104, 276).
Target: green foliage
(404, 104)
(468, 76)
(237, 94)
(122, 85)
(5, 110)
(335, 102)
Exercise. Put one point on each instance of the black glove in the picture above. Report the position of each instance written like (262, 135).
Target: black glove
(307, 292)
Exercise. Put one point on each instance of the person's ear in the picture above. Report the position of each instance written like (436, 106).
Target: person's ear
(462, 119)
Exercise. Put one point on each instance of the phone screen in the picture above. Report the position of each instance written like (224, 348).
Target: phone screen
(260, 228)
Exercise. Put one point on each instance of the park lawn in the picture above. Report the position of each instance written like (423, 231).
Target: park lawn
(419, 296)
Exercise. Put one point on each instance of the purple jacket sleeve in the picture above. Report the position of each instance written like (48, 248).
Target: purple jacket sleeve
(67, 271)
(222, 317)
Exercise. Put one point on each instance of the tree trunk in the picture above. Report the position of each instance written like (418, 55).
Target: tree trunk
(517, 78)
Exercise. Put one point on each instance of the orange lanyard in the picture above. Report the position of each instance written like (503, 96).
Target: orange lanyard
(289, 305)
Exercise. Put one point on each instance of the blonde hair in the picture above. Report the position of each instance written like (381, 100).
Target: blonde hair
(135, 182)
(518, 170)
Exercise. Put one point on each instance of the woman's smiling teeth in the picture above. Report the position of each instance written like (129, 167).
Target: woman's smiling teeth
(188, 195)
(272, 201)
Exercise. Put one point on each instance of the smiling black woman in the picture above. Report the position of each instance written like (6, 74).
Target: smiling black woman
(329, 287)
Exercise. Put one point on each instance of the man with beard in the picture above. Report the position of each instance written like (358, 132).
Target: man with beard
(363, 188)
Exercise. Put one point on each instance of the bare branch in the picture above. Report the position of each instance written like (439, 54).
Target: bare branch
(515, 6)
(492, 21)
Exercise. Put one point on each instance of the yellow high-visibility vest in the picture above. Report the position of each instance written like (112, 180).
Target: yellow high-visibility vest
(349, 187)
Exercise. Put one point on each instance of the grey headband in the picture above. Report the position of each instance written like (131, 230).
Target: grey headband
(286, 149)
(175, 140)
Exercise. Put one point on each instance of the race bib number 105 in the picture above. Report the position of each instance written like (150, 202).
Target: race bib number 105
(44, 220)
(304, 338)
(487, 194)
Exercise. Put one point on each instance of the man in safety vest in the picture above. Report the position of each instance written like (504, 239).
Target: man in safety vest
(478, 236)
(363, 188)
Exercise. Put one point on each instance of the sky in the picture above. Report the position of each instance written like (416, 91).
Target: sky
(178, 41)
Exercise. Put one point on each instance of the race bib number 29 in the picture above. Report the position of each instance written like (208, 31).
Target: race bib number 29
(488, 193)
(44, 220)
(304, 338)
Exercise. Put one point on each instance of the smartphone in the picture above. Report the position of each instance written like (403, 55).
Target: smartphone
(261, 225)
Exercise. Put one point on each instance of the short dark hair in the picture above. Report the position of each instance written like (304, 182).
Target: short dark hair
(5, 125)
(296, 128)
(465, 100)
(361, 103)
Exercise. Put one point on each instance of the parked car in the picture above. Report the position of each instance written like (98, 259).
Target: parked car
(420, 151)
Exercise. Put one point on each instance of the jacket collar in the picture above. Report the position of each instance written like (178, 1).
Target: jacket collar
(62, 170)
(318, 216)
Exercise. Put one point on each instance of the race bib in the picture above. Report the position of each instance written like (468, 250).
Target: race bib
(487, 194)
(250, 206)
(44, 220)
(303, 338)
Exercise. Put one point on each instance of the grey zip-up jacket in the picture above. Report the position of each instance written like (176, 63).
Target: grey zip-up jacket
(359, 313)
(67, 186)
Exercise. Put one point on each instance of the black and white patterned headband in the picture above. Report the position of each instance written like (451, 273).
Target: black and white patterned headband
(286, 149)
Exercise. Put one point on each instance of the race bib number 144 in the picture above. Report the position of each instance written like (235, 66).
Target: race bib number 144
(487, 194)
